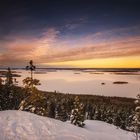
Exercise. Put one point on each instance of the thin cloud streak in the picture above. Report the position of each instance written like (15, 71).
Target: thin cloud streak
(50, 48)
(107, 50)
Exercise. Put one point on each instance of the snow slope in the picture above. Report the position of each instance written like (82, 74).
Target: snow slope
(19, 125)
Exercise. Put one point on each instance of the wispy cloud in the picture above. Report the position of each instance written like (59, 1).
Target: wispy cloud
(18, 50)
(49, 47)
(104, 50)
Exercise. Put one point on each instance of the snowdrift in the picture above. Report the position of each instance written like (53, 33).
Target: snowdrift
(19, 125)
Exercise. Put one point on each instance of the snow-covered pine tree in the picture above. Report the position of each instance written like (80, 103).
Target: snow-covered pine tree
(77, 115)
(97, 114)
(136, 117)
(35, 102)
(8, 90)
(109, 116)
(1, 81)
(60, 112)
(119, 119)
(9, 78)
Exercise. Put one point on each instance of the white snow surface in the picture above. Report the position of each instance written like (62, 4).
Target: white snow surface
(20, 125)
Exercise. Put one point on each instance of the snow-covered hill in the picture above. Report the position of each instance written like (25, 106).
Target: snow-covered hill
(18, 125)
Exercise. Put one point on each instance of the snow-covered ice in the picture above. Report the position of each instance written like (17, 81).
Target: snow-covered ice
(20, 125)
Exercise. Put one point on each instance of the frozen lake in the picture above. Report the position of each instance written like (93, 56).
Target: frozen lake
(86, 82)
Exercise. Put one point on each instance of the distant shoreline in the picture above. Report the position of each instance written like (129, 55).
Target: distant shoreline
(85, 95)
(86, 69)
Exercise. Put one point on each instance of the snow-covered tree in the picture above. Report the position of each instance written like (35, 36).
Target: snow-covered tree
(77, 115)
(109, 117)
(136, 117)
(35, 102)
(60, 112)
(9, 78)
(97, 114)
(29, 103)
(1, 81)
(8, 90)
(119, 119)
(30, 83)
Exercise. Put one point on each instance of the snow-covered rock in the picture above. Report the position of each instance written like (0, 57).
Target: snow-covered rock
(19, 125)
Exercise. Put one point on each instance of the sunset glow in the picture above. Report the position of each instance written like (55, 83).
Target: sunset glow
(122, 62)
(106, 39)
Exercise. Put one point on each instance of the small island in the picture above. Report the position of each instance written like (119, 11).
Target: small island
(4, 72)
(120, 82)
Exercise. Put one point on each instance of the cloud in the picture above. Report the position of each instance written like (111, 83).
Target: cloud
(18, 50)
(105, 50)
(50, 47)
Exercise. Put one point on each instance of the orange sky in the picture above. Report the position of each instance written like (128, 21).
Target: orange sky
(93, 51)
(121, 62)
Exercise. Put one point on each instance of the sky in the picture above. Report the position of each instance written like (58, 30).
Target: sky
(70, 33)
